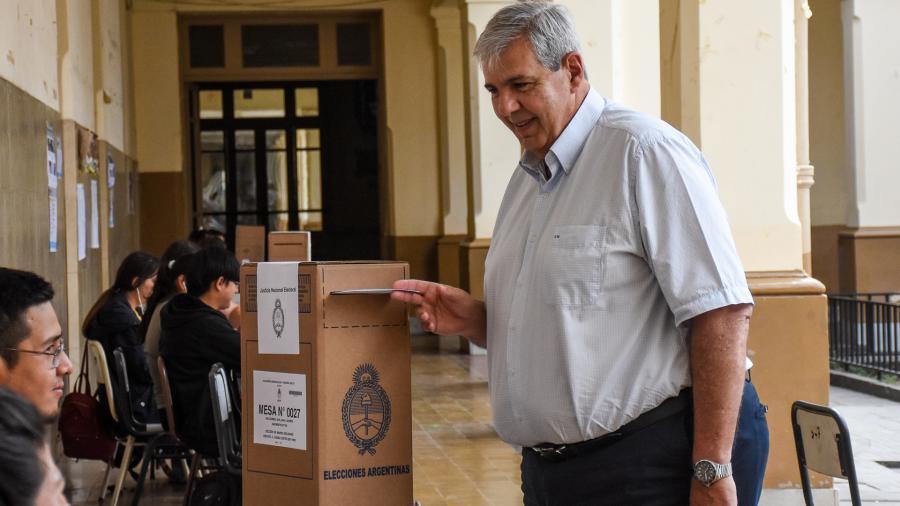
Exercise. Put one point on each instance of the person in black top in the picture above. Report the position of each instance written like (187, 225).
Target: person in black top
(196, 335)
(115, 320)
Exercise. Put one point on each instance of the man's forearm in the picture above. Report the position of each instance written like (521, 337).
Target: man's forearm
(477, 333)
(718, 353)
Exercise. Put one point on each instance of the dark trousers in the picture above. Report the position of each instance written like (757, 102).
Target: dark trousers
(649, 467)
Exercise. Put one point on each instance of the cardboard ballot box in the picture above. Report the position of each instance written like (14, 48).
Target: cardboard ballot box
(326, 395)
(289, 246)
(249, 243)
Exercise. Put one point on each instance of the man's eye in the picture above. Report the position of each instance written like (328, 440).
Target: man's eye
(522, 86)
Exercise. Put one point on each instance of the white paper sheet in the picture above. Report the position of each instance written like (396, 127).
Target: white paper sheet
(81, 226)
(279, 409)
(95, 214)
(52, 185)
(112, 211)
(277, 320)
(54, 221)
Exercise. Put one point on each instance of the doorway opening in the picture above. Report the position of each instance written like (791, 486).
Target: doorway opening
(299, 155)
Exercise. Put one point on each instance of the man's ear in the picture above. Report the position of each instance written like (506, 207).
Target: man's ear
(221, 283)
(574, 65)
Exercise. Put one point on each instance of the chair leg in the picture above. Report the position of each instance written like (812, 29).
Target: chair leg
(109, 464)
(105, 484)
(146, 460)
(195, 464)
(123, 469)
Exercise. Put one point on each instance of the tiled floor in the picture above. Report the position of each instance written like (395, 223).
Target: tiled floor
(457, 458)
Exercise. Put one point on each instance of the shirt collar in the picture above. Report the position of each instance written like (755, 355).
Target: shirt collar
(565, 150)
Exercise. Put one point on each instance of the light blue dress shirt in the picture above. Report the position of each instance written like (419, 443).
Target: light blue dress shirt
(593, 274)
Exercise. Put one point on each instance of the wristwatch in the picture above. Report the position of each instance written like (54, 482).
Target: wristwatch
(708, 472)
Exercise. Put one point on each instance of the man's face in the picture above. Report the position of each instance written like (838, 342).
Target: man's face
(34, 376)
(531, 100)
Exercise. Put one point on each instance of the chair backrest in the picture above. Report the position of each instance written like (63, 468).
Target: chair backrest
(122, 390)
(822, 440)
(98, 358)
(166, 391)
(227, 437)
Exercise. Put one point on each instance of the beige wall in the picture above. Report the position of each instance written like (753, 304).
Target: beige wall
(620, 44)
(872, 87)
(828, 198)
(28, 54)
(108, 78)
(747, 127)
(157, 99)
(76, 74)
(410, 68)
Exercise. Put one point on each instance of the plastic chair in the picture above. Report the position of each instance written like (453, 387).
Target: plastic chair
(823, 445)
(99, 366)
(163, 444)
(227, 436)
(138, 432)
(168, 404)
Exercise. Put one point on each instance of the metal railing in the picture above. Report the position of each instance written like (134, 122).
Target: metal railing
(864, 331)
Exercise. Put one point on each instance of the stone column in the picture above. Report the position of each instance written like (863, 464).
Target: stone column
(452, 60)
(493, 151)
(451, 101)
(805, 171)
(729, 82)
(872, 105)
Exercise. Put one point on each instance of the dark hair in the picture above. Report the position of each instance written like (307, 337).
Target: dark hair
(138, 264)
(208, 265)
(19, 290)
(205, 236)
(172, 264)
(22, 438)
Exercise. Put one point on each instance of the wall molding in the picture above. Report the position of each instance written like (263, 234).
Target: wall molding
(791, 282)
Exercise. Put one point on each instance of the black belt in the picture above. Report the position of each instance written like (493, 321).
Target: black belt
(669, 407)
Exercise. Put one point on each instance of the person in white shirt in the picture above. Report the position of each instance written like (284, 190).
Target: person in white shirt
(616, 308)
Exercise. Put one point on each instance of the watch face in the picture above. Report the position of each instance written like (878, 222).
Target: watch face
(705, 471)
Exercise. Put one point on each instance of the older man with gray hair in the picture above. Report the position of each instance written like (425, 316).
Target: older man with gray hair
(616, 308)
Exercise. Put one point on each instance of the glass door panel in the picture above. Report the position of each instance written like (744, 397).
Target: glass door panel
(245, 170)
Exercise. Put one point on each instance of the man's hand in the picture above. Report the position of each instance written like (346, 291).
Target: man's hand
(721, 492)
(445, 310)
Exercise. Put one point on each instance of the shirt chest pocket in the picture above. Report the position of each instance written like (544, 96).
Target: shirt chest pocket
(574, 269)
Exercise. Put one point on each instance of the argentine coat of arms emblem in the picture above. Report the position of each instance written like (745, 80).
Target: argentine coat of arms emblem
(278, 318)
(366, 411)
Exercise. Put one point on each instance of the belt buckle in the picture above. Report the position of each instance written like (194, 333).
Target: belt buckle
(553, 453)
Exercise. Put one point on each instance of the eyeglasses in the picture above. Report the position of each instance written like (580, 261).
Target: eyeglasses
(56, 354)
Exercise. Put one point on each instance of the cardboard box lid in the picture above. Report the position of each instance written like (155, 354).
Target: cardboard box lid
(289, 246)
(343, 311)
(340, 311)
(250, 243)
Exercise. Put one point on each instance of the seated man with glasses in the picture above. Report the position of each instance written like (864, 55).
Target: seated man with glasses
(33, 360)
(195, 334)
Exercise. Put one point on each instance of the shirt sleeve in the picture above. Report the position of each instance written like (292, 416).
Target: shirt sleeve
(684, 229)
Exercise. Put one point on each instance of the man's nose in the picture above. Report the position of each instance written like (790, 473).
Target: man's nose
(65, 365)
(506, 104)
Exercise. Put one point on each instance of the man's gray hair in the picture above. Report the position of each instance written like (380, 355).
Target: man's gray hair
(547, 26)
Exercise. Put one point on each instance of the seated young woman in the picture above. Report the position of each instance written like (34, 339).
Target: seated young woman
(171, 281)
(196, 335)
(115, 321)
